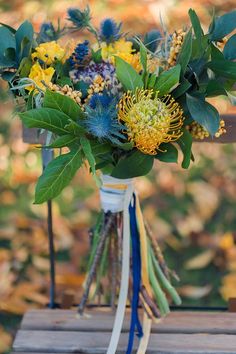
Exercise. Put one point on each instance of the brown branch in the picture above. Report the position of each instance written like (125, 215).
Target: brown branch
(107, 226)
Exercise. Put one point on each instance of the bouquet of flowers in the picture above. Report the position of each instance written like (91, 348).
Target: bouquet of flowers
(118, 103)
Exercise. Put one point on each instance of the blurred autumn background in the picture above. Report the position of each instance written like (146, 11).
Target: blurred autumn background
(191, 212)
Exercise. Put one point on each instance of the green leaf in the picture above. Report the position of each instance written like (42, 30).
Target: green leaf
(134, 165)
(64, 81)
(63, 104)
(46, 118)
(196, 25)
(169, 153)
(143, 56)
(230, 48)
(168, 80)
(11, 29)
(100, 148)
(127, 75)
(181, 89)
(127, 146)
(62, 141)
(185, 144)
(151, 81)
(86, 147)
(186, 52)
(24, 68)
(223, 26)
(57, 175)
(24, 37)
(223, 68)
(203, 113)
(215, 88)
(74, 128)
(7, 41)
(30, 101)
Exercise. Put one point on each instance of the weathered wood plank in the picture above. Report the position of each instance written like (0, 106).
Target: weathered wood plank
(75, 342)
(175, 322)
(32, 136)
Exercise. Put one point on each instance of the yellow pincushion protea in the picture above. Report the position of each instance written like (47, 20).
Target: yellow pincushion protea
(150, 120)
(49, 52)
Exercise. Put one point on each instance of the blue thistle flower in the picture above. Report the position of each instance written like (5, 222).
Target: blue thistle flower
(102, 120)
(80, 19)
(81, 52)
(109, 30)
(104, 99)
(152, 39)
(47, 33)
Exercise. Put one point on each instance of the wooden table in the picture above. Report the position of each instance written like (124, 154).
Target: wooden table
(60, 331)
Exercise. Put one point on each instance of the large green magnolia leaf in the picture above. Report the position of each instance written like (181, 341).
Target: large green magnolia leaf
(167, 153)
(46, 118)
(203, 113)
(24, 37)
(223, 25)
(230, 48)
(168, 80)
(185, 144)
(137, 164)
(57, 175)
(223, 68)
(186, 51)
(196, 25)
(63, 104)
(7, 41)
(63, 141)
(126, 74)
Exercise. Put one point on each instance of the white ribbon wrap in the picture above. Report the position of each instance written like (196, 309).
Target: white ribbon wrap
(115, 200)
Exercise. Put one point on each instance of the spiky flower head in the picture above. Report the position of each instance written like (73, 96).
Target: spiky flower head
(80, 55)
(104, 99)
(109, 31)
(80, 19)
(47, 33)
(102, 120)
(152, 39)
(150, 120)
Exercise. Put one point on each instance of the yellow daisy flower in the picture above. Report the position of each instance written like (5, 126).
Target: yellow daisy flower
(40, 75)
(49, 52)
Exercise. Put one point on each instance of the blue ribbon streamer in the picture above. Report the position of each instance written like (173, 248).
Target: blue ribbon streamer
(136, 273)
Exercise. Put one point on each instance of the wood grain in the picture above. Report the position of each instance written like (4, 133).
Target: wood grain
(77, 342)
(31, 135)
(175, 322)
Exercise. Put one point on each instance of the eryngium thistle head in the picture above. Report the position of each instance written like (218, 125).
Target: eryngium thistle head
(150, 120)
(152, 39)
(109, 30)
(47, 33)
(102, 120)
(80, 19)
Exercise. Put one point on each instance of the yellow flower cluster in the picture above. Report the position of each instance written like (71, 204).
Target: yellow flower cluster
(176, 44)
(199, 132)
(66, 90)
(97, 86)
(122, 49)
(41, 77)
(49, 52)
(150, 120)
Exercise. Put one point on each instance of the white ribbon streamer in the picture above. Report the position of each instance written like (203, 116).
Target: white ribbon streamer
(113, 199)
(120, 202)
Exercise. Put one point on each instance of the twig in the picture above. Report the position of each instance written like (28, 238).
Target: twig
(108, 223)
(157, 251)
